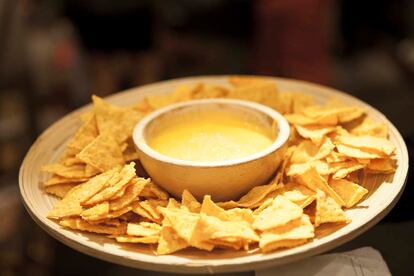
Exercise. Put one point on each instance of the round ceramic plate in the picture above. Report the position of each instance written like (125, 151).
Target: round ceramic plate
(384, 192)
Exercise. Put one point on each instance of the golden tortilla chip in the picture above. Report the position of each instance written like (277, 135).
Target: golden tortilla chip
(74, 171)
(169, 241)
(314, 181)
(369, 127)
(328, 210)
(131, 194)
(189, 201)
(141, 230)
(255, 195)
(102, 153)
(381, 145)
(97, 212)
(240, 214)
(60, 190)
(146, 239)
(350, 192)
(279, 213)
(152, 190)
(264, 92)
(294, 233)
(56, 179)
(126, 174)
(70, 205)
(382, 166)
(115, 121)
(151, 206)
(209, 208)
(298, 194)
(139, 210)
(84, 136)
(358, 153)
(79, 224)
(348, 167)
(227, 204)
(211, 228)
(314, 133)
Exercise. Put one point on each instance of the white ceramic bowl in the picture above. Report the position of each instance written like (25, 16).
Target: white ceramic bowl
(223, 180)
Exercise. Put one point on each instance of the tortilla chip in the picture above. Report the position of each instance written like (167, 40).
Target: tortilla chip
(126, 174)
(189, 201)
(70, 205)
(255, 195)
(151, 206)
(294, 233)
(84, 136)
(241, 215)
(97, 212)
(152, 190)
(102, 153)
(314, 181)
(350, 192)
(358, 153)
(135, 229)
(382, 166)
(169, 241)
(227, 204)
(279, 213)
(328, 210)
(60, 190)
(115, 121)
(131, 194)
(377, 144)
(146, 239)
(298, 194)
(314, 133)
(211, 228)
(369, 127)
(348, 167)
(71, 172)
(79, 224)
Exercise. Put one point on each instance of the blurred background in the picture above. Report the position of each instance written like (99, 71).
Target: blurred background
(55, 53)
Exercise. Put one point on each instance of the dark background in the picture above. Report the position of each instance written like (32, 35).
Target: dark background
(55, 53)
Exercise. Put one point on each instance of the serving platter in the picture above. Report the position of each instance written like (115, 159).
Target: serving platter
(384, 192)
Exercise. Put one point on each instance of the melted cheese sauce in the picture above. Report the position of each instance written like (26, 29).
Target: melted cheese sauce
(214, 139)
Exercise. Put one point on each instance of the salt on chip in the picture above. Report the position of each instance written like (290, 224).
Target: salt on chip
(280, 212)
(102, 153)
(294, 233)
(328, 210)
(350, 192)
(190, 202)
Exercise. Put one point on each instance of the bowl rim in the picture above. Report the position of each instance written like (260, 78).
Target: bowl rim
(280, 141)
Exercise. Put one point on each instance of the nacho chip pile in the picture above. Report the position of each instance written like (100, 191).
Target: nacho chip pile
(331, 148)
